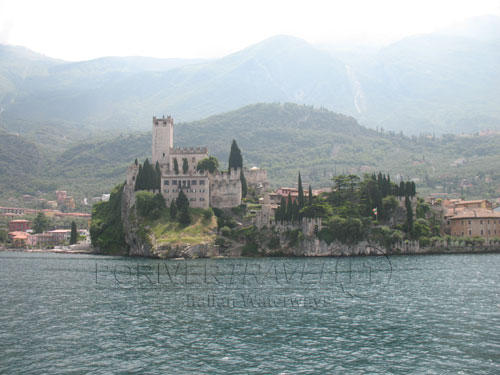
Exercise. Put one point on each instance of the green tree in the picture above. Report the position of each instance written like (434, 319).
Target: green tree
(40, 223)
(301, 198)
(185, 165)
(409, 215)
(74, 234)
(181, 201)
(149, 205)
(184, 217)
(158, 176)
(210, 164)
(421, 228)
(173, 209)
(176, 166)
(235, 158)
(310, 196)
(289, 208)
(139, 179)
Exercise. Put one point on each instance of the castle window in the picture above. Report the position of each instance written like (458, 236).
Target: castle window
(192, 199)
(165, 182)
(174, 190)
(488, 221)
(163, 154)
(202, 190)
(166, 190)
(462, 233)
(174, 182)
(202, 182)
(470, 232)
(193, 160)
(193, 182)
(480, 222)
(202, 199)
(183, 183)
(481, 232)
(469, 222)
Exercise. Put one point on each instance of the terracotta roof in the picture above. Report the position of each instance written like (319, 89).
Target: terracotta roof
(476, 213)
(471, 202)
(19, 235)
(19, 221)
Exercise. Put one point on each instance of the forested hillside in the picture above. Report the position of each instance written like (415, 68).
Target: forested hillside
(283, 138)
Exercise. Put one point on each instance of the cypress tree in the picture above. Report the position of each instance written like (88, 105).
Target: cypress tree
(295, 211)
(176, 166)
(139, 183)
(185, 166)
(158, 176)
(173, 209)
(408, 188)
(289, 208)
(136, 162)
(413, 189)
(402, 190)
(235, 158)
(310, 196)
(301, 193)
(409, 215)
(184, 217)
(74, 234)
(282, 209)
(181, 200)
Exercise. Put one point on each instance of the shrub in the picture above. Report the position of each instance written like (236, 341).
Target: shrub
(208, 213)
(226, 231)
(274, 242)
(425, 241)
(250, 250)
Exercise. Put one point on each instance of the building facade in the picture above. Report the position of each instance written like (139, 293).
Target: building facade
(477, 222)
(179, 173)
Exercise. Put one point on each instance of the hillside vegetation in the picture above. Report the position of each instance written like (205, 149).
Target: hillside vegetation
(283, 138)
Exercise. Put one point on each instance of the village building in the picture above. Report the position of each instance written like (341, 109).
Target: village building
(476, 222)
(19, 225)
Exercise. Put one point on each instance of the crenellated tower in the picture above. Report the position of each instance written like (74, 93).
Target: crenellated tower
(163, 140)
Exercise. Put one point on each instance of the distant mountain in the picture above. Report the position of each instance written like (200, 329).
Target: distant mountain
(447, 81)
(440, 82)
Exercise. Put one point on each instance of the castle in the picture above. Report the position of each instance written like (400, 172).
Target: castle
(178, 172)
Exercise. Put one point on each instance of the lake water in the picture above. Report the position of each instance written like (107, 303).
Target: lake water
(79, 314)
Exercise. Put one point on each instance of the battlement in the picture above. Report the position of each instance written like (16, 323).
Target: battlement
(225, 176)
(169, 121)
(132, 171)
(189, 150)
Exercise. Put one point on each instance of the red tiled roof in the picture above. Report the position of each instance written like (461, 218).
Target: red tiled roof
(476, 213)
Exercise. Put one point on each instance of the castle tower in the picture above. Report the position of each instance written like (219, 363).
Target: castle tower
(163, 140)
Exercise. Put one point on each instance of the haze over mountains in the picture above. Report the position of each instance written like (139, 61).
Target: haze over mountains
(447, 81)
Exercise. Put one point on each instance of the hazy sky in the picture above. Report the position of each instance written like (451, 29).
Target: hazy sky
(86, 29)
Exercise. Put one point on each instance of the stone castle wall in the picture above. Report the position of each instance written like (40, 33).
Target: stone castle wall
(225, 189)
(255, 176)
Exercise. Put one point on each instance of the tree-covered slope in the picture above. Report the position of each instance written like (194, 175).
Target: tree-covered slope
(283, 138)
